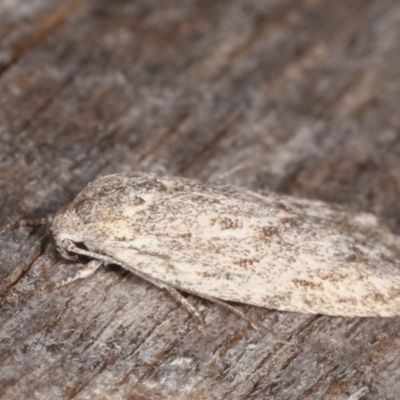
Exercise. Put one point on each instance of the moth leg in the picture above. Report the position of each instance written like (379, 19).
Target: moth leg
(236, 311)
(233, 309)
(182, 301)
(70, 246)
(83, 273)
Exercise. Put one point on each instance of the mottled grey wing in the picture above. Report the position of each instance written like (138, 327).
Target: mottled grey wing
(272, 251)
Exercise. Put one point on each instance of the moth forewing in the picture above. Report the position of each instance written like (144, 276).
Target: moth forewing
(229, 243)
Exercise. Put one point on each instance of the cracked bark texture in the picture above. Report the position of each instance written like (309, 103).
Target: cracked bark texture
(298, 97)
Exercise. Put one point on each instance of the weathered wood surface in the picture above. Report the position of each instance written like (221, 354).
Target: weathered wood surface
(296, 96)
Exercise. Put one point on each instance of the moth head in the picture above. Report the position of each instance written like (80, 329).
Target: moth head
(66, 227)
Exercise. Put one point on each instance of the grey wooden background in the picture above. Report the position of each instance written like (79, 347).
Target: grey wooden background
(295, 96)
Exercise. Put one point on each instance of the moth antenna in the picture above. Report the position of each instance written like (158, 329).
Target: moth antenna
(36, 221)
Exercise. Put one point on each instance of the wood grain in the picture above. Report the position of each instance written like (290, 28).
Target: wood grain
(294, 96)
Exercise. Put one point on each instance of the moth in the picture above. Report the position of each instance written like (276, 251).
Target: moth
(229, 244)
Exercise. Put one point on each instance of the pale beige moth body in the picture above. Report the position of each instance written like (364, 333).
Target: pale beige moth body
(236, 245)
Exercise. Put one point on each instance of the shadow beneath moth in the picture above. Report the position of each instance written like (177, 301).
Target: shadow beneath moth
(227, 243)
